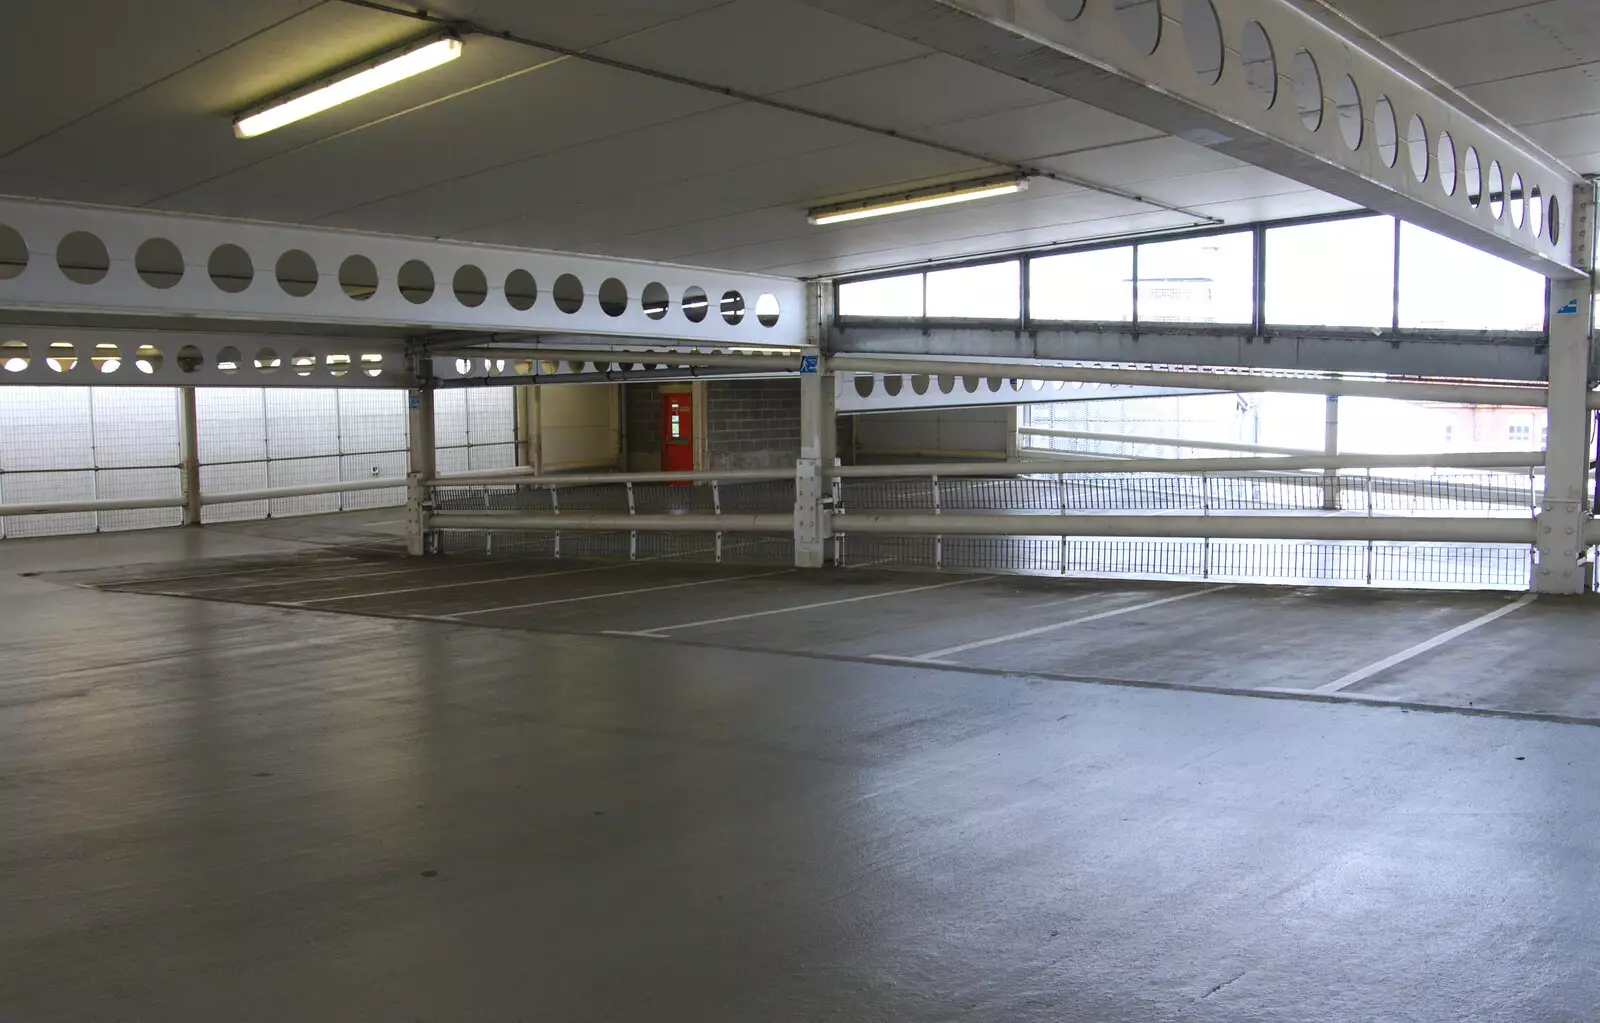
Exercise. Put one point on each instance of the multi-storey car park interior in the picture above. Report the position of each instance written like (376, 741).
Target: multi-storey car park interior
(799, 510)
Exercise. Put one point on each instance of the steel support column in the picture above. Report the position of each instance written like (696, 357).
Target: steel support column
(421, 464)
(1330, 447)
(189, 455)
(819, 441)
(1563, 565)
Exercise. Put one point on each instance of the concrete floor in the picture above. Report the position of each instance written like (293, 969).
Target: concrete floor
(227, 810)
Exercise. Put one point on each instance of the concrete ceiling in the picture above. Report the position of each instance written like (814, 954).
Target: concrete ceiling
(130, 104)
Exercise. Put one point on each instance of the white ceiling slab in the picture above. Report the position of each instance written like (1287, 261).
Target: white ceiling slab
(1144, 160)
(178, 133)
(1536, 99)
(1387, 17)
(71, 57)
(1033, 133)
(717, 46)
(1519, 41)
(580, 24)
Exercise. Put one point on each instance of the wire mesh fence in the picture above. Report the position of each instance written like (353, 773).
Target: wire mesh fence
(1412, 565)
(1438, 492)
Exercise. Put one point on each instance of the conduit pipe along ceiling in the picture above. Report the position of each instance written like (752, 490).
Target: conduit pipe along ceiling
(376, 73)
(918, 199)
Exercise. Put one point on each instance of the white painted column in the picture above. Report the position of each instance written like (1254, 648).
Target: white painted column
(1330, 447)
(421, 465)
(189, 455)
(1566, 496)
(819, 441)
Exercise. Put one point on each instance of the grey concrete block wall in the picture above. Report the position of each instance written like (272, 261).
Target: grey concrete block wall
(958, 433)
(753, 424)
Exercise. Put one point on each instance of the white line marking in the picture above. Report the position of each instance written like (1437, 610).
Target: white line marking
(893, 659)
(645, 635)
(619, 593)
(446, 586)
(820, 603)
(1362, 674)
(1060, 600)
(1026, 633)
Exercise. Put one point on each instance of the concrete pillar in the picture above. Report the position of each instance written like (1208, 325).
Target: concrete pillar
(819, 441)
(189, 455)
(1330, 447)
(421, 466)
(1566, 499)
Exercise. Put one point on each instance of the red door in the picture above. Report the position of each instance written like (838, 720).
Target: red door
(677, 432)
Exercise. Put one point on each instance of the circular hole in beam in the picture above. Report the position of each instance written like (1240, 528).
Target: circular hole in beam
(471, 287)
(358, 277)
(695, 304)
(1472, 172)
(521, 290)
(267, 361)
(82, 258)
(1307, 90)
(296, 272)
(148, 359)
(733, 307)
(106, 357)
(613, 297)
(1497, 190)
(1140, 21)
(190, 359)
(1447, 163)
(338, 364)
(768, 311)
(159, 263)
(231, 269)
(61, 356)
(1347, 108)
(655, 301)
(415, 281)
(13, 253)
(1387, 131)
(567, 293)
(228, 360)
(303, 363)
(1417, 147)
(1536, 211)
(1202, 38)
(14, 356)
(1555, 220)
(1260, 64)
(1516, 200)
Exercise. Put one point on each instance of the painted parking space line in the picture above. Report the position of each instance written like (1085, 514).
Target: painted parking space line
(659, 630)
(1362, 674)
(1060, 600)
(935, 655)
(615, 593)
(447, 586)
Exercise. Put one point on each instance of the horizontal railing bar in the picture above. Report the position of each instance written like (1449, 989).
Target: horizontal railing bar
(105, 505)
(509, 479)
(1214, 527)
(1067, 466)
(305, 490)
(1417, 390)
(87, 468)
(544, 521)
(1166, 442)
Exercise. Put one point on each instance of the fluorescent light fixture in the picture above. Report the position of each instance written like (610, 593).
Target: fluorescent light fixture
(386, 70)
(920, 199)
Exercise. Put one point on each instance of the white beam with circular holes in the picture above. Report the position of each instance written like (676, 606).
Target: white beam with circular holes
(67, 258)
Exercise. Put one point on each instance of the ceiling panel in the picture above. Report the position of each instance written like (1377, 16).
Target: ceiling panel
(763, 46)
(932, 90)
(579, 24)
(178, 132)
(558, 106)
(1142, 161)
(71, 57)
(1534, 99)
(1521, 41)
(520, 203)
(1387, 17)
(1038, 131)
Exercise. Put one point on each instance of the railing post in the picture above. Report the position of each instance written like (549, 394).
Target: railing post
(938, 541)
(189, 455)
(633, 534)
(1330, 447)
(1562, 563)
(422, 458)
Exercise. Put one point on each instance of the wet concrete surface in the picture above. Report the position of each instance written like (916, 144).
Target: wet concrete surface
(219, 810)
